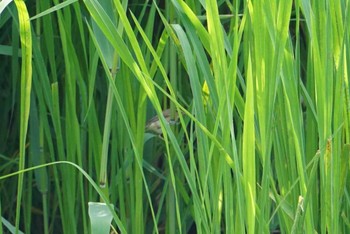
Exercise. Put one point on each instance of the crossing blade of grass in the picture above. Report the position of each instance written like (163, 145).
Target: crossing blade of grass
(9, 226)
(53, 9)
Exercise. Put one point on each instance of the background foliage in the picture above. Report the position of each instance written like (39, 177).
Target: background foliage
(261, 89)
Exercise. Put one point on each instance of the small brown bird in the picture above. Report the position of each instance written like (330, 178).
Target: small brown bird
(153, 125)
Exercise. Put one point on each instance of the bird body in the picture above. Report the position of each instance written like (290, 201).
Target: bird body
(153, 125)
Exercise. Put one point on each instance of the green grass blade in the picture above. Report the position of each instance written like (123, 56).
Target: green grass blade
(26, 83)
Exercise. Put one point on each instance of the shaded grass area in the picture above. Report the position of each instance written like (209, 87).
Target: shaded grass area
(259, 91)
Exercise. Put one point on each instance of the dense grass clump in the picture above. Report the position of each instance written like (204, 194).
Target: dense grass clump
(250, 105)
